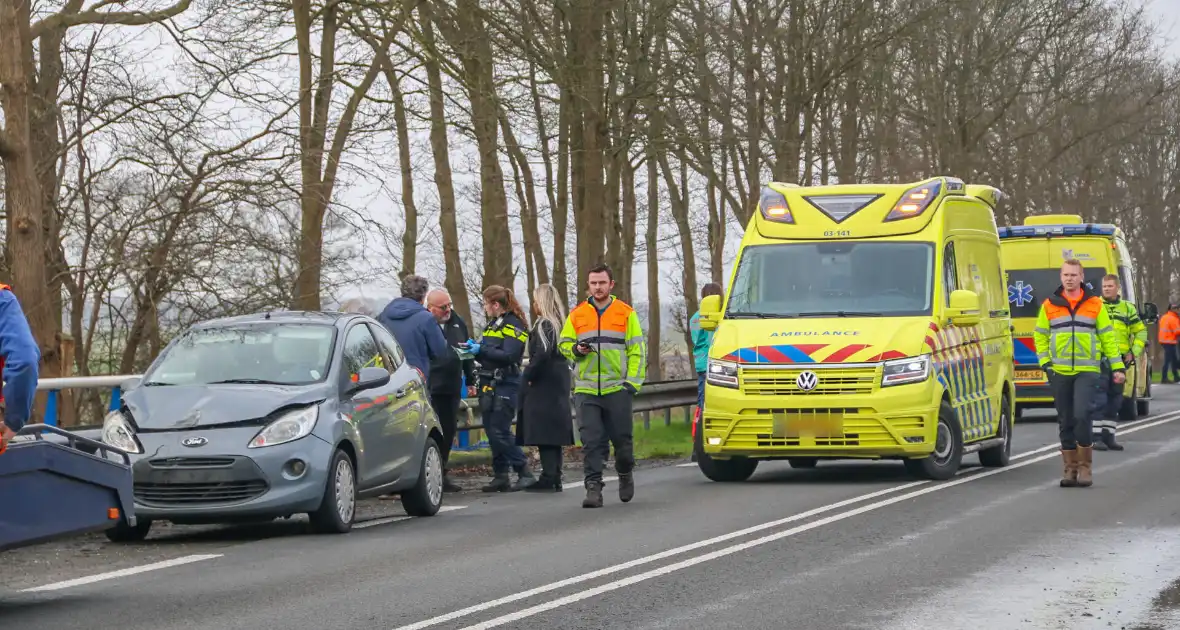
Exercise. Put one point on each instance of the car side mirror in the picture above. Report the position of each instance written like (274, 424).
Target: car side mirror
(710, 312)
(368, 378)
(964, 308)
(1149, 313)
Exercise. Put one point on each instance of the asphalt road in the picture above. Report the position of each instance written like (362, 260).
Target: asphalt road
(843, 546)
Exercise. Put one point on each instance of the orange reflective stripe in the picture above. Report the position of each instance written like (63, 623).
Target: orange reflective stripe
(614, 319)
(1089, 308)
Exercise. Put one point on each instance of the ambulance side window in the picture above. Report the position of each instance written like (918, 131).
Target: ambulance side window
(950, 272)
(1126, 273)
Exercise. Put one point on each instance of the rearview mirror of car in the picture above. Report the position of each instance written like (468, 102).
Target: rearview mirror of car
(1150, 313)
(369, 378)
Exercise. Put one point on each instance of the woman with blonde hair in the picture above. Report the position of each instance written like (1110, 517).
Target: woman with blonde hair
(545, 419)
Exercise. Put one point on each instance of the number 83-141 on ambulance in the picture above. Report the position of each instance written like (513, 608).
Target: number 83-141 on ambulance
(862, 322)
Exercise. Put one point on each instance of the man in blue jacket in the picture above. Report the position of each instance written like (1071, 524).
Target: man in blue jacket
(19, 361)
(700, 343)
(414, 327)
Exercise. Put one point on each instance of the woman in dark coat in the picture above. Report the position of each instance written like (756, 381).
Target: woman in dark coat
(545, 419)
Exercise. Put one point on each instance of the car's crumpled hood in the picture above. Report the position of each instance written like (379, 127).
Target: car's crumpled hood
(179, 407)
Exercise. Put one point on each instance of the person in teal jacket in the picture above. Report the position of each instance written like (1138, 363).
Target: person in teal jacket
(701, 339)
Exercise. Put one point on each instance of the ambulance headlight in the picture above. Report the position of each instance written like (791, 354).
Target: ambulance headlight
(902, 371)
(722, 374)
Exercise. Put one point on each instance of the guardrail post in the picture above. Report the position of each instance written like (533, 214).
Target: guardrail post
(647, 421)
(116, 398)
(462, 434)
(51, 407)
(667, 416)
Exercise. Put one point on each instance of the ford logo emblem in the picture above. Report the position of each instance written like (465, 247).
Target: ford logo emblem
(194, 442)
(807, 381)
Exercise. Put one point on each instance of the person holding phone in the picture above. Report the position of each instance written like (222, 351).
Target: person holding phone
(603, 337)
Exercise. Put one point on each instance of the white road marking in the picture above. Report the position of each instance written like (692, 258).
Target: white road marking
(394, 519)
(1129, 427)
(155, 566)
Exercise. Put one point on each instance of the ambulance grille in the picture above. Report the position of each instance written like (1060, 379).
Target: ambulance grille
(852, 381)
(815, 427)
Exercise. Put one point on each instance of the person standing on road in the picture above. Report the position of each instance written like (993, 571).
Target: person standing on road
(1073, 333)
(701, 340)
(500, 353)
(446, 375)
(412, 325)
(1169, 339)
(603, 338)
(1131, 333)
(545, 419)
(20, 360)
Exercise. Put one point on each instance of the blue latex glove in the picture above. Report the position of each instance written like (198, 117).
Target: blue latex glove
(473, 346)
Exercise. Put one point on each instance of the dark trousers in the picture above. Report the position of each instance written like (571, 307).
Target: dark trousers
(550, 461)
(606, 420)
(1171, 362)
(497, 423)
(1071, 397)
(447, 408)
(701, 391)
(1108, 401)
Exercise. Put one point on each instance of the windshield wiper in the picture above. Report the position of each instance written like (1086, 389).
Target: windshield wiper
(158, 384)
(246, 381)
(756, 315)
(841, 314)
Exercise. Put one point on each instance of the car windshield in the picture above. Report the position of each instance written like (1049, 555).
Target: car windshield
(268, 353)
(843, 279)
(1027, 288)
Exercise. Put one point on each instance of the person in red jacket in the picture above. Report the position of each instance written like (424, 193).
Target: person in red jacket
(1169, 338)
(19, 361)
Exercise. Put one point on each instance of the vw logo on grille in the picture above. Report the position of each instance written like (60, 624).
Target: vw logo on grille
(807, 380)
(194, 442)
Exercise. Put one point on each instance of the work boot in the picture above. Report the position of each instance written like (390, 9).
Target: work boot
(1099, 443)
(1109, 442)
(1069, 478)
(593, 495)
(626, 487)
(500, 483)
(1085, 473)
(545, 483)
(524, 478)
(449, 485)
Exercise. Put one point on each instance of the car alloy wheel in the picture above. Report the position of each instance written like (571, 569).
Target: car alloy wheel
(434, 476)
(345, 490)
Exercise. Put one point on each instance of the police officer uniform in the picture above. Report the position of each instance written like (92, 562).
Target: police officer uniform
(500, 354)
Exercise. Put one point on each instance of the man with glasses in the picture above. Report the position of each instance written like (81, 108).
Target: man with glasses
(447, 372)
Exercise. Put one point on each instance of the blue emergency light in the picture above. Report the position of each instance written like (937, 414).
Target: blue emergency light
(1025, 231)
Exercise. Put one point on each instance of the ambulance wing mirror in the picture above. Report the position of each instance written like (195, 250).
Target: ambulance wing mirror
(711, 312)
(964, 308)
(1149, 313)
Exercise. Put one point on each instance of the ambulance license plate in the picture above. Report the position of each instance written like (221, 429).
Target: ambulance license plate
(812, 425)
(1030, 375)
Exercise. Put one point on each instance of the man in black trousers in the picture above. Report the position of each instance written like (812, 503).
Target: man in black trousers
(446, 374)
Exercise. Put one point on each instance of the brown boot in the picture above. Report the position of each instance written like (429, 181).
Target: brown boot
(1069, 478)
(1085, 460)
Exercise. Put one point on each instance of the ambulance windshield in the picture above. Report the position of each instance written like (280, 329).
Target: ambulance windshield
(856, 279)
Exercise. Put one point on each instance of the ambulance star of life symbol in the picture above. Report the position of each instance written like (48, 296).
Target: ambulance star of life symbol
(1020, 293)
(807, 380)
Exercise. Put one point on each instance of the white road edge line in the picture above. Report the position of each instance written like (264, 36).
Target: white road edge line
(155, 566)
(720, 553)
(540, 590)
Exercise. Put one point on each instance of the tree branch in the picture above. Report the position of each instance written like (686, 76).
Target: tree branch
(94, 15)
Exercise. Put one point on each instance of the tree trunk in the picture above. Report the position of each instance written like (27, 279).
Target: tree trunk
(410, 208)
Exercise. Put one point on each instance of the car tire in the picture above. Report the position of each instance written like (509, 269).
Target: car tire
(803, 462)
(426, 497)
(999, 456)
(338, 507)
(124, 533)
(944, 462)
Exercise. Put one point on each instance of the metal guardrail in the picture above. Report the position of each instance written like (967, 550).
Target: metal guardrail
(655, 396)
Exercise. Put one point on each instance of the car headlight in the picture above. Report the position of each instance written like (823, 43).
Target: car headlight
(722, 374)
(117, 432)
(902, 371)
(288, 428)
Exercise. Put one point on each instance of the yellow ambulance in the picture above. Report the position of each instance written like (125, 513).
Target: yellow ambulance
(1032, 254)
(861, 322)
